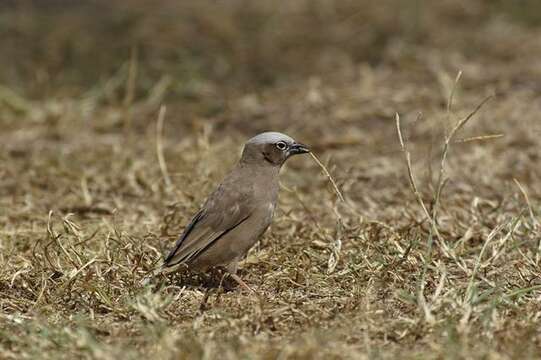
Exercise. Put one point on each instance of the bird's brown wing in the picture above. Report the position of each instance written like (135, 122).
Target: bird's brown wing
(224, 210)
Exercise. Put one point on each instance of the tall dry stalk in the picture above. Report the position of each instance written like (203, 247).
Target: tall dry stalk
(159, 147)
(432, 216)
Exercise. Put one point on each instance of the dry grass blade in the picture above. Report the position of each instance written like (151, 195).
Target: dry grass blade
(452, 94)
(452, 97)
(411, 176)
(514, 223)
(528, 203)
(159, 147)
(433, 216)
(478, 138)
(460, 124)
(328, 175)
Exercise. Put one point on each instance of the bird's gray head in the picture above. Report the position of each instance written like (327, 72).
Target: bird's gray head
(272, 148)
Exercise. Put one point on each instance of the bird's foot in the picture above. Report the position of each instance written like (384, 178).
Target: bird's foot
(242, 283)
(225, 276)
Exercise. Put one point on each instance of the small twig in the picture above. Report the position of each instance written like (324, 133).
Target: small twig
(452, 96)
(52, 237)
(411, 177)
(527, 199)
(460, 124)
(336, 246)
(336, 190)
(159, 146)
(42, 291)
(478, 138)
(448, 139)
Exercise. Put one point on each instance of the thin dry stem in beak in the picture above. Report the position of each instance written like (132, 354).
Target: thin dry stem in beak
(326, 172)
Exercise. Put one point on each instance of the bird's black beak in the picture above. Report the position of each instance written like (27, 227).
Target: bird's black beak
(298, 148)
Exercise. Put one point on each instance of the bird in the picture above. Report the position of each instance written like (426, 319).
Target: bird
(237, 213)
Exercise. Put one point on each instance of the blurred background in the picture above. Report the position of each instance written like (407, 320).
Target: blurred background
(206, 58)
(64, 47)
(333, 73)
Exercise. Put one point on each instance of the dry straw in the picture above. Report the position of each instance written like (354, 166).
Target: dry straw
(328, 175)
(432, 216)
(159, 146)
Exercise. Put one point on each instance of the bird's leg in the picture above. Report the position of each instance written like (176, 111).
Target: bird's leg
(232, 270)
(242, 283)
(221, 284)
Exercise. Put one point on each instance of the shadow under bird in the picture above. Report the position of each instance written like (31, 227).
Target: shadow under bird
(238, 212)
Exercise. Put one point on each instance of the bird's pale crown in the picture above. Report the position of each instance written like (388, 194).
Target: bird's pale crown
(270, 137)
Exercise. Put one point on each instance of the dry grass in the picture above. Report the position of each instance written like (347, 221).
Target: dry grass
(96, 181)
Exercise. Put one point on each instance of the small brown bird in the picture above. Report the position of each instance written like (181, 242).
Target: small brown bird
(238, 212)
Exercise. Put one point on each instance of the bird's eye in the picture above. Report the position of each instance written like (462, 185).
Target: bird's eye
(281, 145)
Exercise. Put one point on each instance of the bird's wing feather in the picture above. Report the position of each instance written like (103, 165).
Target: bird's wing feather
(223, 211)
